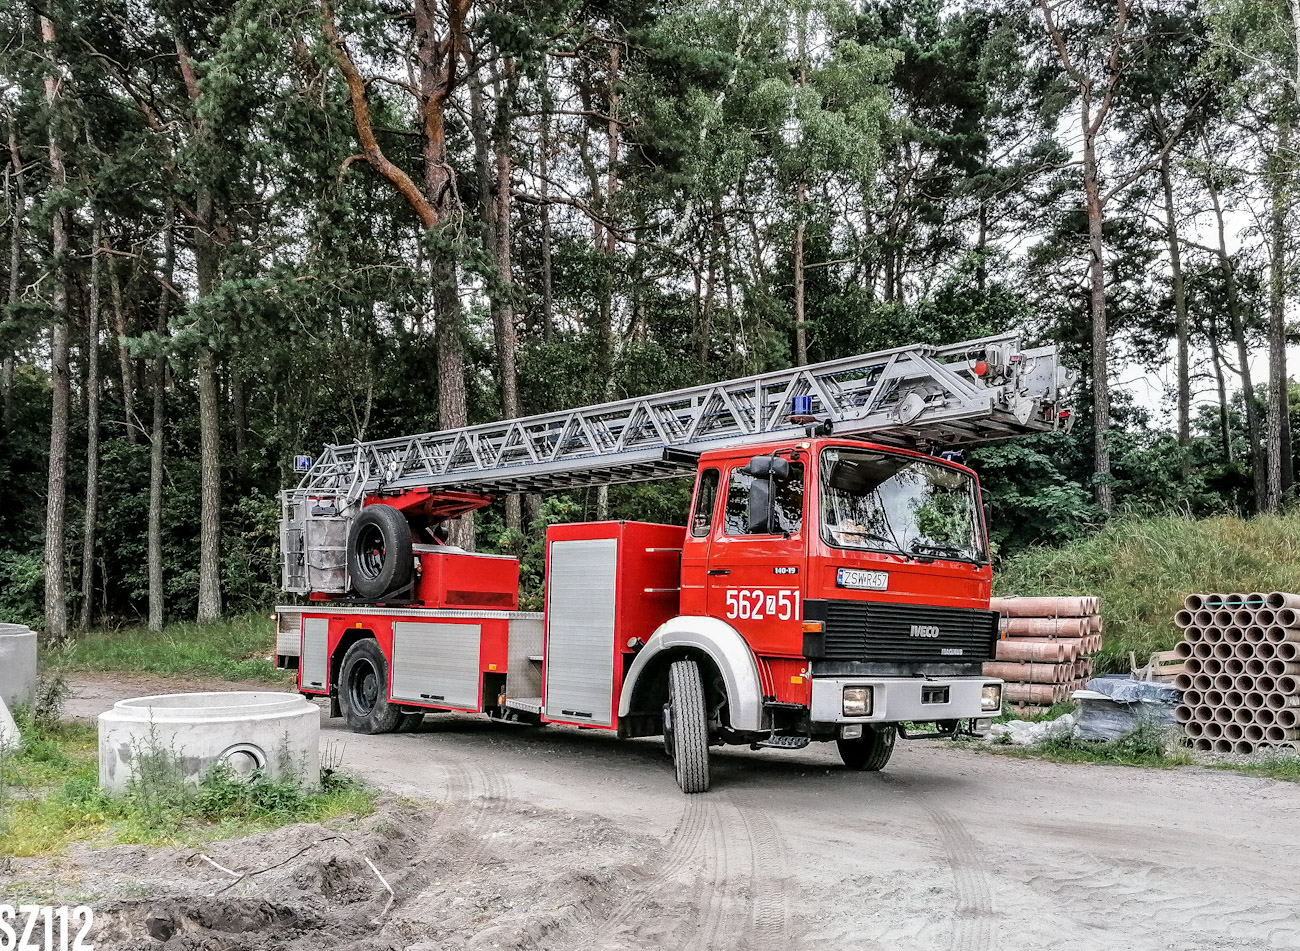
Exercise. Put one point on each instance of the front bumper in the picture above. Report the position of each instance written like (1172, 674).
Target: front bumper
(896, 699)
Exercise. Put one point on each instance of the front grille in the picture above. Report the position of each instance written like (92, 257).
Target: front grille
(875, 632)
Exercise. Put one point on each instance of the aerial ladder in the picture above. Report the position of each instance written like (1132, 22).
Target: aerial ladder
(918, 396)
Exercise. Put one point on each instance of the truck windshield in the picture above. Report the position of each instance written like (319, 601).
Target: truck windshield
(885, 502)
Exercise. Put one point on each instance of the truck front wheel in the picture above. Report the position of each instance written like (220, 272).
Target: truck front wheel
(871, 751)
(686, 727)
(363, 690)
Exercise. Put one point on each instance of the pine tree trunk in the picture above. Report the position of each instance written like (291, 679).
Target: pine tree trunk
(158, 436)
(800, 207)
(611, 196)
(125, 365)
(1237, 322)
(1100, 339)
(503, 317)
(205, 261)
(16, 202)
(1279, 423)
(1221, 382)
(544, 211)
(56, 604)
(92, 430)
(1181, 325)
(239, 415)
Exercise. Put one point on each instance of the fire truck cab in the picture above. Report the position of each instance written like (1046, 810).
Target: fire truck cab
(822, 589)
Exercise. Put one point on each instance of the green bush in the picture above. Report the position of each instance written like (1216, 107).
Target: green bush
(50, 796)
(1143, 568)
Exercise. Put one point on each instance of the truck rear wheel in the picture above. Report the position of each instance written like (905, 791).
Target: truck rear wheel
(870, 752)
(686, 727)
(380, 557)
(363, 690)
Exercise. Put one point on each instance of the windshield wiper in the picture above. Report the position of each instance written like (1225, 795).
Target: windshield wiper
(939, 549)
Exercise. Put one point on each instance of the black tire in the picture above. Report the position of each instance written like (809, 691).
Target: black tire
(872, 751)
(688, 731)
(363, 690)
(410, 722)
(380, 558)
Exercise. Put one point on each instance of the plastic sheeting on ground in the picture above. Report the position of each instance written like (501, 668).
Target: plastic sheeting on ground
(1028, 732)
(1112, 707)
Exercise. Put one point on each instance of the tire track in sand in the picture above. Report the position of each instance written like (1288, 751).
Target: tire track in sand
(675, 858)
(735, 858)
(972, 923)
(769, 878)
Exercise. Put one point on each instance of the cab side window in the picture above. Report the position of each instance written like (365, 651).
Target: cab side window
(706, 499)
(787, 498)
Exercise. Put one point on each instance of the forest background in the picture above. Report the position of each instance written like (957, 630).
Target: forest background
(237, 231)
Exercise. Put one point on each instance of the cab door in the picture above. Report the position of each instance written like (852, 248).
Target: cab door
(755, 574)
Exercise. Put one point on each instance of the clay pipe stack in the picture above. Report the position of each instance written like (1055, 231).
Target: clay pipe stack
(1045, 647)
(1241, 671)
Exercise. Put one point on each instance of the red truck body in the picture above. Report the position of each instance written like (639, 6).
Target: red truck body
(776, 613)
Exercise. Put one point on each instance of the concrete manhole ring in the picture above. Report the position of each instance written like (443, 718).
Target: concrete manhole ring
(247, 730)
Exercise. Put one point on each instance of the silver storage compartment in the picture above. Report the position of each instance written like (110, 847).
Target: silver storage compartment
(288, 633)
(436, 663)
(580, 590)
(313, 665)
(526, 637)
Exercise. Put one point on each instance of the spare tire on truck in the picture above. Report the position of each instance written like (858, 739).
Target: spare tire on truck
(380, 558)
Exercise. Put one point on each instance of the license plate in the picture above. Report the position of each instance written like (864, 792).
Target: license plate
(861, 579)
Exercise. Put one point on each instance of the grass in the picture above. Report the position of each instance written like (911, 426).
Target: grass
(1285, 768)
(1142, 569)
(1145, 746)
(50, 797)
(235, 648)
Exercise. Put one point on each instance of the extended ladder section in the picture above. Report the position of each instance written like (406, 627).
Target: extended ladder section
(917, 396)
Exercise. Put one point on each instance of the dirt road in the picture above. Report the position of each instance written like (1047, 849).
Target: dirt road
(567, 839)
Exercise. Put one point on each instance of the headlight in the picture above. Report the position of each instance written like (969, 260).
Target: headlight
(991, 698)
(857, 701)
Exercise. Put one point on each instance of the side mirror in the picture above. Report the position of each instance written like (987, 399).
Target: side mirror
(765, 470)
(769, 467)
(759, 514)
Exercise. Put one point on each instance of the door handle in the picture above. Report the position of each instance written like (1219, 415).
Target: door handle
(719, 571)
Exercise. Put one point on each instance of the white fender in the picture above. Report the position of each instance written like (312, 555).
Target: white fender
(729, 652)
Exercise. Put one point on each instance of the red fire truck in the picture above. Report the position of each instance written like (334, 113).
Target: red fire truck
(831, 582)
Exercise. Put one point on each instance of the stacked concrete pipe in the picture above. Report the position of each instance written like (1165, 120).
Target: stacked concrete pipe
(17, 666)
(1045, 647)
(1241, 671)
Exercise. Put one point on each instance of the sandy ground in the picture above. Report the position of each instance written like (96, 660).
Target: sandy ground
(512, 837)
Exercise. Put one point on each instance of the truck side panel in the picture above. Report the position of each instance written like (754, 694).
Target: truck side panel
(582, 580)
(441, 657)
(314, 662)
(437, 663)
(609, 585)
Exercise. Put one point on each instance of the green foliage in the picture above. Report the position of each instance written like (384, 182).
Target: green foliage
(237, 648)
(916, 145)
(22, 588)
(1141, 568)
(1145, 745)
(50, 797)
